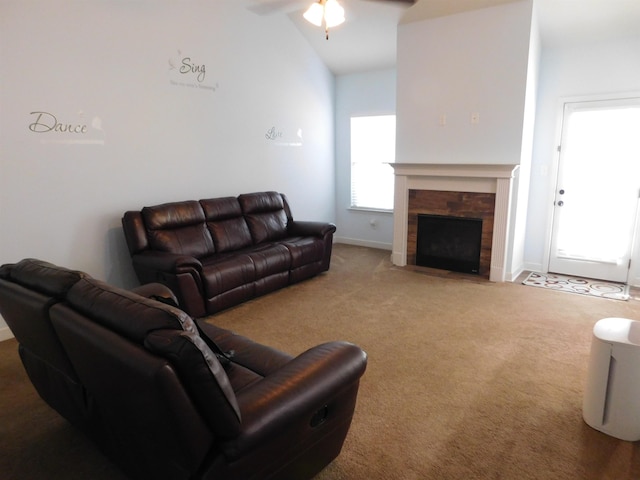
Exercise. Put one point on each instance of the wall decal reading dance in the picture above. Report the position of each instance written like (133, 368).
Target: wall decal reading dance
(47, 122)
(76, 132)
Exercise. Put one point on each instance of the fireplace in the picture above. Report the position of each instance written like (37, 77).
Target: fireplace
(462, 205)
(449, 243)
(473, 187)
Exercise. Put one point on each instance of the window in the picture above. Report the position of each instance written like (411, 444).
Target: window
(373, 145)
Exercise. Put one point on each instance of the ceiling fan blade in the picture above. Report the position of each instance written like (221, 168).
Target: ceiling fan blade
(397, 1)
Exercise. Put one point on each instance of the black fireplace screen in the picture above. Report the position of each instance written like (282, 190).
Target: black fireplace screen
(449, 243)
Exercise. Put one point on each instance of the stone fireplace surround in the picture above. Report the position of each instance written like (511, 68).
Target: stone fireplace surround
(480, 178)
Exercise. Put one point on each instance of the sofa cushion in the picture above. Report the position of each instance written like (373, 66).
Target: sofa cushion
(203, 377)
(125, 312)
(179, 228)
(226, 224)
(265, 215)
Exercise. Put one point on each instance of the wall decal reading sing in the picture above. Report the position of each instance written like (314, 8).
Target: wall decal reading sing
(188, 66)
(47, 122)
(185, 65)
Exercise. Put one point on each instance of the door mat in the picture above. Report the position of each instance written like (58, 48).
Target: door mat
(583, 286)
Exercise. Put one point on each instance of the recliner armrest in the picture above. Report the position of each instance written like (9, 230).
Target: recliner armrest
(166, 262)
(157, 291)
(294, 393)
(306, 228)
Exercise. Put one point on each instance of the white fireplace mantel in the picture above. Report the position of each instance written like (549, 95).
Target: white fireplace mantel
(482, 178)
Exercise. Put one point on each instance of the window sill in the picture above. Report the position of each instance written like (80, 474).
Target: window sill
(365, 209)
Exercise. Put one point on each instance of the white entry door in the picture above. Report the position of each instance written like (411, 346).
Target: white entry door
(598, 189)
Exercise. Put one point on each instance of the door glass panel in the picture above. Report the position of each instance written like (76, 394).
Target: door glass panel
(598, 189)
(602, 172)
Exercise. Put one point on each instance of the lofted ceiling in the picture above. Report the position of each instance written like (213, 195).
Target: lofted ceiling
(367, 39)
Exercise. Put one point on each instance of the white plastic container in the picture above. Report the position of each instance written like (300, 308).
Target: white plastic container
(611, 401)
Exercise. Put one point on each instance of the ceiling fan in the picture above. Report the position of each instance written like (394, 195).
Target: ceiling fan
(321, 12)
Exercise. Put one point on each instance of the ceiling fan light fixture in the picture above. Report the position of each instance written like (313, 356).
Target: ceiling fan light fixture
(328, 11)
(315, 14)
(333, 13)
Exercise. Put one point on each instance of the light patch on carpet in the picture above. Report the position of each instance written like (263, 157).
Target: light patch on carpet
(583, 286)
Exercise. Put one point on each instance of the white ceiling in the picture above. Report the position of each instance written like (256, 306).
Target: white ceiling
(367, 39)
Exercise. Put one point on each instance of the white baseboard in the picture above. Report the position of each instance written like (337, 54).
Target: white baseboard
(512, 276)
(534, 267)
(5, 334)
(362, 243)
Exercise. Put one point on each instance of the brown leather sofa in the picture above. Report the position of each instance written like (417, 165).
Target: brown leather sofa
(156, 392)
(220, 252)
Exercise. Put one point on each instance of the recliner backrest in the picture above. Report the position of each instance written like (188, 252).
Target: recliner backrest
(171, 333)
(265, 214)
(29, 288)
(178, 227)
(228, 227)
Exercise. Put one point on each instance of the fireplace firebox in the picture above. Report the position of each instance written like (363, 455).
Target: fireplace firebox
(449, 243)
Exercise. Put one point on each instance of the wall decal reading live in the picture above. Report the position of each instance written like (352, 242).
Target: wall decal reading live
(278, 137)
(185, 69)
(273, 134)
(77, 131)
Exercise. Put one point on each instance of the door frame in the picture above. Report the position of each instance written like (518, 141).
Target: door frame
(633, 276)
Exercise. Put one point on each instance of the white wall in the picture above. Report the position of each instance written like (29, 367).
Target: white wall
(372, 93)
(520, 199)
(481, 62)
(450, 67)
(152, 134)
(607, 68)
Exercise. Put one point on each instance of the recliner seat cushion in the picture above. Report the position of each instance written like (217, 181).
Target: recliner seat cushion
(227, 274)
(304, 250)
(270, 259)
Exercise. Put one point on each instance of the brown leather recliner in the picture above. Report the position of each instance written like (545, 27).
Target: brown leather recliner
(149, 385)
(219, 252)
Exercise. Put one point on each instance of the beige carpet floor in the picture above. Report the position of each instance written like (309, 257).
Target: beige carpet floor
(467, 379)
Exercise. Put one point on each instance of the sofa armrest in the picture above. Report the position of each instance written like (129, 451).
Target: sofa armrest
(289, 398)
(305, 228)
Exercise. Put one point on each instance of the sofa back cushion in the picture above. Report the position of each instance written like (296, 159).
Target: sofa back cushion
(226, 224)
(265, 215)
(178, 227)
